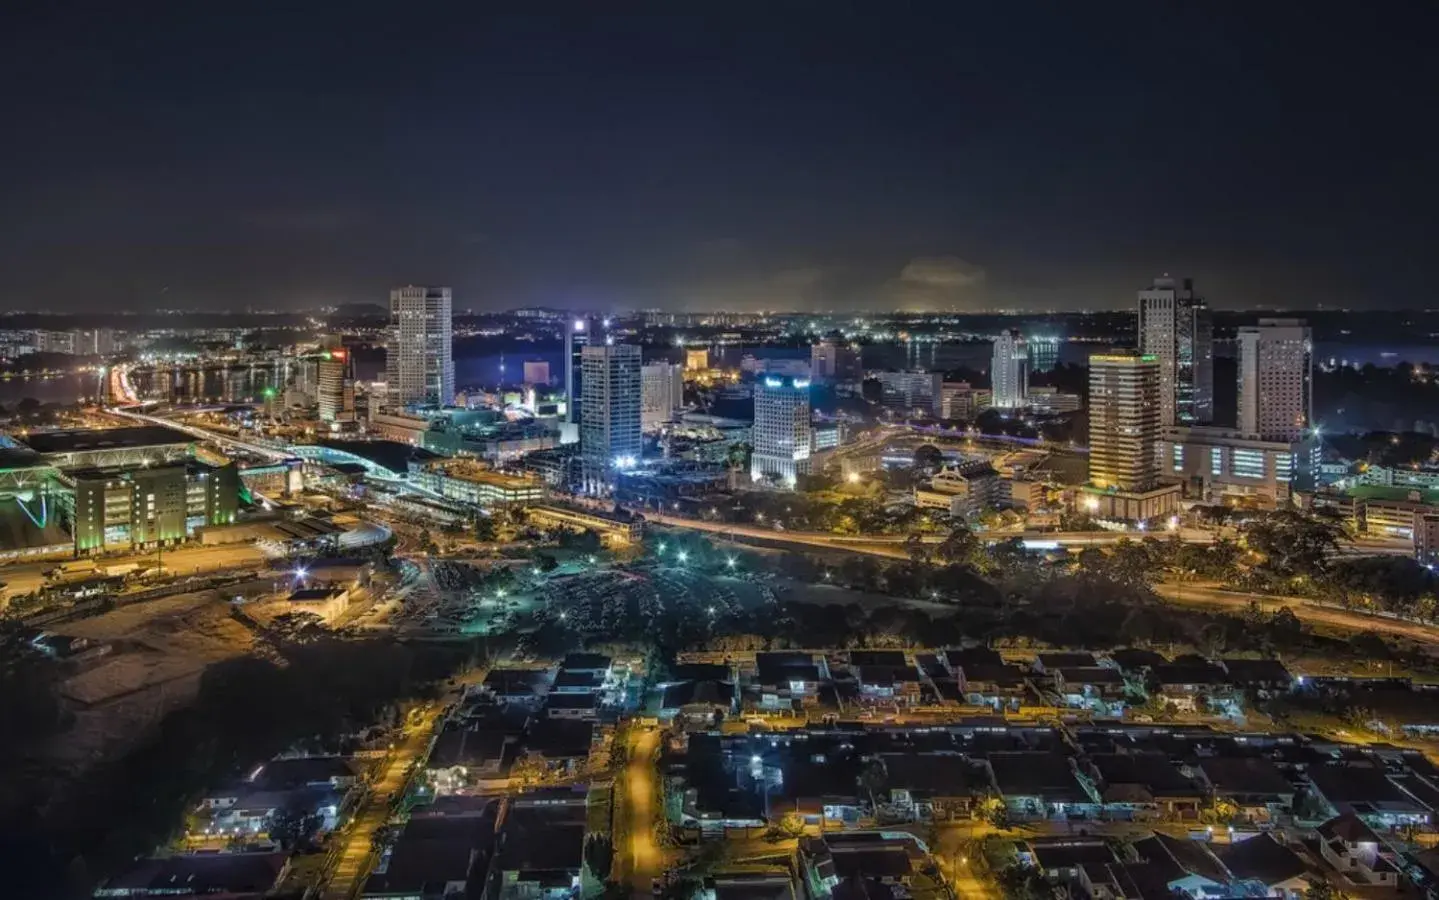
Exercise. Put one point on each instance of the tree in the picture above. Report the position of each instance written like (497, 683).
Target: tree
(960, 547)
(917, 549)
(873, 779)
(599, 855)
(485, 530)
(1293, 544)
(928, 457)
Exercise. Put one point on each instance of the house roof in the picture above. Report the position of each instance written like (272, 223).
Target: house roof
(560, 738)
(1153, 771)
(543, 843)
(969, 656)
(432, 851)
(1037, 773)
(298, 771)
(578, 678)
(1067, 852)
(467, 747)
(586, 661)
(1189, 673)
(686, 693)
(1246, 776)
(203, 873)
(1175, 859)
(701, 672)
(517, 682)
(570, 701)
(1349, 828)
(1132, 659)
(1067, 661)
(934, 774)
(1088, 675)
(1263, 859)
(877, 658)
(1362, 788)
(1257, 671)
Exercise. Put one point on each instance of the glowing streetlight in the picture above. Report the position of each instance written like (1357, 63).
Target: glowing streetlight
(683, 555)
(731, 562)
(1091, 504)
(1173, 523)
(711, 610)
(852, 478)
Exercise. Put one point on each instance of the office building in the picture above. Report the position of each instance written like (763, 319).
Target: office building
(579, 334)
(662, 393)
(537, 372)
(834, 362)
(962, 491)
(1053, 401)
(960, 400)
(1426, 538)
(1124, 439)
(335, 386)
(1009, 371)
(419, 366)
(149, 506)
(1043, 352)
(783, 440)
(1276, 379)
(1223, 466)
(912, 392)
(610, 435)
(55, 342)
(1175, 328)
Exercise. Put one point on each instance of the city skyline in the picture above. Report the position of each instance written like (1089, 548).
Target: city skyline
(690, 161)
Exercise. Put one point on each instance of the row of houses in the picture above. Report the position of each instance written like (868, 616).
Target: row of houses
(974, 677)
(845, 775)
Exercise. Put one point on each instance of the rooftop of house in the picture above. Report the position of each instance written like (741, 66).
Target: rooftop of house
(998, 674)
(968, 656)
(1175, 859)
(934, 774)
(578, 678)
(1257, 671)
(571, 701)
(517, 682)
(432, 851)
(701, 672)
(1068, 852)
(298, 771)
(543, 843)
(560, 738)
(209, 873)
(687, 693)
(1361, 788)
(586, 661)
(1066, 661)
(1036, 774)
(1262, 859)
(1246, 776)
(1153, 771)
(877, 658)
(467, 747)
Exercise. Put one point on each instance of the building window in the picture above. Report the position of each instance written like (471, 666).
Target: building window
(1216, 461)
(1249, 463)
(1283, 467)
(1179, 457)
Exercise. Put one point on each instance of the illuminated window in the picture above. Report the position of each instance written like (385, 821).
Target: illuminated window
(1178, 457)
(1283, 467)
(1216, 460)
(1249, 463)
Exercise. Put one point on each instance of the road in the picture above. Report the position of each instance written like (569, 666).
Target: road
(642, 859)
(892, 545)
(356, 855)
(24, 578)
(1212, 595)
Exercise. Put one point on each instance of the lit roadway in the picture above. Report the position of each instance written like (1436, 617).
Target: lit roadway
(352, 861)
(874, 544)
(640, 859)
(26, 577)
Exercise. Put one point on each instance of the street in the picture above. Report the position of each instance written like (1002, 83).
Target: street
(1211, 594)
(27, 577)
(640, 859)
(355, 857)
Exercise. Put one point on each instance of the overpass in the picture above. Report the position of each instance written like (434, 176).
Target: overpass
(269, 450)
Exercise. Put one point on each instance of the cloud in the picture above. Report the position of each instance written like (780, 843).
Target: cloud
(934, 282)
(786, 289)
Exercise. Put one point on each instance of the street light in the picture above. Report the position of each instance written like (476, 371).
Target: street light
(683, 555)
(730, 562)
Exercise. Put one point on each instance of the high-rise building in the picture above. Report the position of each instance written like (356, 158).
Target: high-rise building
(1043, 352)
(912, 392)
(335, 386)
(537, 372)
(1276, 379)
(1124, 439)
(662, 393)
(1175, 328)
(782, 432)
(1009, 371)
(579, 334)
(833, 362)
(697, 359)
(419, 366)
(610, 436)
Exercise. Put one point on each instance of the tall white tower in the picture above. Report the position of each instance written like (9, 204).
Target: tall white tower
(1276, 379)
(419, 367)
(1175, 328)
(783, 436)
(610, 438)
(1009, 371)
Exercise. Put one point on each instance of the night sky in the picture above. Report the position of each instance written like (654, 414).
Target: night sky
(763, 155)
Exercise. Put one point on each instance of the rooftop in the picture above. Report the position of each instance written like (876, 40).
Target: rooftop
(83, 439)
(195, 874)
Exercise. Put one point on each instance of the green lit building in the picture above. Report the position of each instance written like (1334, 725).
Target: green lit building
(148, 506)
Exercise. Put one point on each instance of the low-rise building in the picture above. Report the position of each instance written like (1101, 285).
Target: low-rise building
(1357, 852)
(1218, 465)
(962, 491)
(467, 482)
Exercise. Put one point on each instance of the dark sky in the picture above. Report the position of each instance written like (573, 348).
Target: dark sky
(758, 155)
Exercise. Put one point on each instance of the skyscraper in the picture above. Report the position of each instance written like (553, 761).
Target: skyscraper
(1175, 327)
(1124, 433)
(1009, 370)
(418, 363)
(610, 438)
(335, 388)
(662, 393)
(579, 334)
(833, 362)
(1276, 379)
(783, 436)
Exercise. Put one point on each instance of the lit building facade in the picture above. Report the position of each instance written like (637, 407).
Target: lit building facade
(579, 334)
(1176, 328)
(148, 507)
(418, 364)
(783, 438)
(909, 392)
(1220, 465)
(831, 362)
(1009, 371)
(335, 386)
(662, 393)
(610, 431)
(1124, 439)
(1276, 379)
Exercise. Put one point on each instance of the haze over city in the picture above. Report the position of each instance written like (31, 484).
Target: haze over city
(945, 156)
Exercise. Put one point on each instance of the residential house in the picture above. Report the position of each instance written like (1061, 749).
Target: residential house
(233, 876)
(1260, 866)
(1040, 785)
(540, 851)
(1192, 684)
(1144, 786)
(1366, 790)
(1263, 676)
(1252, 784)
(524, 686)
(934, 785)
(435, 856)
(788, 679)
(1357, 852)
